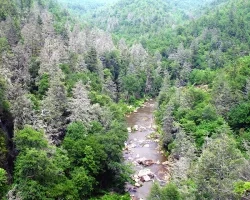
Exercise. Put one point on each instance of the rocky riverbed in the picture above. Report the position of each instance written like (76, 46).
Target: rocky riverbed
(143, 151)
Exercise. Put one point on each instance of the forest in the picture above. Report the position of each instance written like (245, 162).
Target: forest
(70, 71)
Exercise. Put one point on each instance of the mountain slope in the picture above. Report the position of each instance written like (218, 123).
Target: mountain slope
(63, 88)
(133, 18)
(140, 20)
(203, 106)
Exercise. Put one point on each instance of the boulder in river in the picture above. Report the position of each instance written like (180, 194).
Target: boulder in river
(135, 128)
(137, 180)
(129, 129)
(132, 146)
(158, 162)
(165, 163)
(141, 141)
(145, 162)
(136, 176)
(137, 184)
(145, 178)
(142, 129)
(154, 127)
(145, 172)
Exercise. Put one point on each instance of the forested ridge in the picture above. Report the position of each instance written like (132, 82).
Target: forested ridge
(142, 21)
(66, 85)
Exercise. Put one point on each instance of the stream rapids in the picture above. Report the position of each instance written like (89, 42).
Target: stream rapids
(143, 152)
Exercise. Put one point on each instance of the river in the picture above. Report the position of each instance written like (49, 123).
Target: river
(143, 151)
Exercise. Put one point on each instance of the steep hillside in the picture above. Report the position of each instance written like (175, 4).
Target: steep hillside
(210, 42)
(203, 106)
(61, 127)
(65, 87)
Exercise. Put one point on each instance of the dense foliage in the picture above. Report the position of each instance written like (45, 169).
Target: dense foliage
(62, 106)
(203, 106)
(65, 87)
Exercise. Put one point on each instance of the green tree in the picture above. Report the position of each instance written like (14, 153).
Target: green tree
(34, 171)
(168, 192)
(29, 138)
(83, 182)
(5, 120)
(239, 116)
(43, 85)
(7, 8)
(218, 169)
(91, 60)
(3, 182)
(114, 197)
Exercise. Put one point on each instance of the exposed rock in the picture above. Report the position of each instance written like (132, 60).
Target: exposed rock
(154, 127)
(158, 162)
(131, 189)
(142, 129)
(137, 180)
(165, 163)
(135, 163)
(155, 135)
(145, 172)
(145, 162)
(146, 145)
(129, 129)
(132, 146)
(136, 176)
(137, 184)
(148, 162)
(135, 128)
(133, 197)
(141, 160)
(145, 178)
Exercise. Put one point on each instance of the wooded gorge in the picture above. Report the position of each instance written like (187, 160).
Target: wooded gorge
(71, 71)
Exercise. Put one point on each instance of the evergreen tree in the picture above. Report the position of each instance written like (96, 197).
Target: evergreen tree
(91, 60)
(53, 113)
